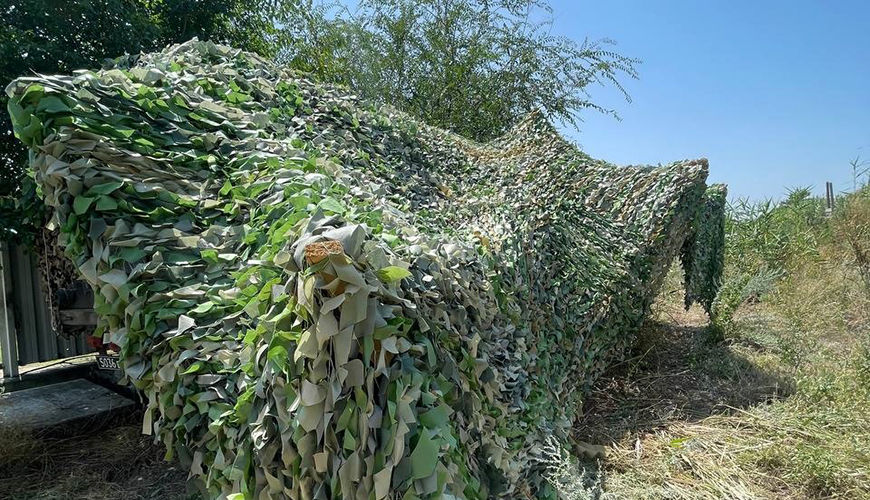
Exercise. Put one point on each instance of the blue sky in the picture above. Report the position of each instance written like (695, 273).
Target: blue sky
(775, 94)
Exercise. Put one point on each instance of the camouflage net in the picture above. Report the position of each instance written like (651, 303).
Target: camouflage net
(322, 298)
(703, 254)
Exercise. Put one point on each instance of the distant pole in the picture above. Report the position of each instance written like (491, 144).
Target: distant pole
(829, 198)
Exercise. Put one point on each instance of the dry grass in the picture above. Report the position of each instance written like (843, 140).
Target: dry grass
(779, 410)
(116, 463)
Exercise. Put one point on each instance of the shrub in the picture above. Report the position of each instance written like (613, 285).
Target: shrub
(851, 229)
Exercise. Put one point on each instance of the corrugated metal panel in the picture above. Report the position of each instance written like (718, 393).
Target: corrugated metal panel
(46, 336)
(8, 347)
(25, 309)
(36, 340)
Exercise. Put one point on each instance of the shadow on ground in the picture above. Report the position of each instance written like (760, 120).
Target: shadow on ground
(112, 460)
(674, 373)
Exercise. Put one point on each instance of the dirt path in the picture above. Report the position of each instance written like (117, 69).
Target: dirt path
(778, 410)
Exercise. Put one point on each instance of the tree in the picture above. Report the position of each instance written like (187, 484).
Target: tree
(251, 25)
(473, 66)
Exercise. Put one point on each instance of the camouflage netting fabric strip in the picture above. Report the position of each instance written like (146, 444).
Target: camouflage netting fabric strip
(703, 254)
(322, 298)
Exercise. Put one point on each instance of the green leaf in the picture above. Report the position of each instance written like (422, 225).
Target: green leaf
(278, 355)
(81, 204)
(143, 142)
(105, 188)
(195, 367)
(209, 255)
(203, 308)
(391, 274)
(332, 205)
(106, 203)
(424, 458)
(131, 254)
(52, 104)
(436, 417)
(34, 91)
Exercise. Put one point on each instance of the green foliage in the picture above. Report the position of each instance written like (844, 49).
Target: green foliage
(851, 230)
(324, 297)
(247, 24)
(774, 235)
(763, 241)
(473, 67)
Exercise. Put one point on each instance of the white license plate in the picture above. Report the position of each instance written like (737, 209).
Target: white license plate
(108, 363)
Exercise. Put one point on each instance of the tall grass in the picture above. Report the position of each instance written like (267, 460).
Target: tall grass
(794, 306)
(764, 241)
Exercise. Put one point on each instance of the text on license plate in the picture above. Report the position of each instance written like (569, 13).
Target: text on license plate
(108, 363)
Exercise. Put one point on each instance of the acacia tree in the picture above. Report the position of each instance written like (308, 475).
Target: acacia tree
(473, 66)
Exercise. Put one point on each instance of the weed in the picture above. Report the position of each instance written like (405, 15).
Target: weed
(851, 225)
(572, 479)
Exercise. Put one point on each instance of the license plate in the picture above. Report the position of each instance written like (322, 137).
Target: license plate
(108, 363)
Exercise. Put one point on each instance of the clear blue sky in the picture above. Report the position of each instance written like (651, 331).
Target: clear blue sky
(774, 93)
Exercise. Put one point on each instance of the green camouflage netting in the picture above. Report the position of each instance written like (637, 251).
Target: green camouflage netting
(322, 298)
(703, 254)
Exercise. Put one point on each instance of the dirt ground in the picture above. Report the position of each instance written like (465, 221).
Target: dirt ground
(674, 373)
(114, 463)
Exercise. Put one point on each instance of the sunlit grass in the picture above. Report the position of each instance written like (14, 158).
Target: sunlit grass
(780, 408)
